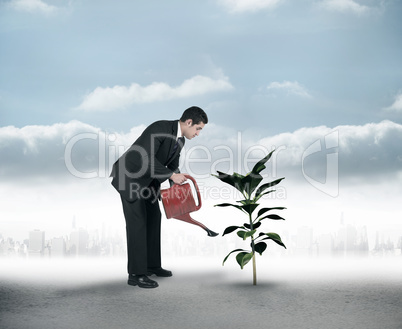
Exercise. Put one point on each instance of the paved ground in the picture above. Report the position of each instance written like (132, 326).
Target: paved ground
(202, 294)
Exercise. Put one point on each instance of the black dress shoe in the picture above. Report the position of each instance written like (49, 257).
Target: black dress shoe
(141, 281)
(159, 271)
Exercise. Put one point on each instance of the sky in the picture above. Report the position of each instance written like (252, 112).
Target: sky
(320, 81)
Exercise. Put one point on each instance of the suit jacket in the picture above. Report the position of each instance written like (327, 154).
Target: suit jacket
(148, 162)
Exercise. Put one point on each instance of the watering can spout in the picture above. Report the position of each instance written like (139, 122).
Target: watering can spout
(187, 218)
(211, 233)
(178, 202)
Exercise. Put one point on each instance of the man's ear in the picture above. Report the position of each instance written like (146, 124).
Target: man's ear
(189, 122)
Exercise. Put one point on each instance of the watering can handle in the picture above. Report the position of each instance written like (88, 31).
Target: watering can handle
(196, 189)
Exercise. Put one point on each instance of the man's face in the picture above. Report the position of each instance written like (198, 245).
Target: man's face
(191, 130)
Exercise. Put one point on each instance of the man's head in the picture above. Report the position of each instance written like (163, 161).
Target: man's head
(192, 121)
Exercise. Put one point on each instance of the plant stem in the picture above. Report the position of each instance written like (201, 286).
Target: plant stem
(253, 251)
(254, 272)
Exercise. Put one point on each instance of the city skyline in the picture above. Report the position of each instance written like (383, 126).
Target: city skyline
(348, 240)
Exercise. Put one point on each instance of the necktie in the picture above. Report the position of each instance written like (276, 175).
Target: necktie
(176, 145)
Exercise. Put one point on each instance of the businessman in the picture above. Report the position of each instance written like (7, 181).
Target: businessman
(137, 176)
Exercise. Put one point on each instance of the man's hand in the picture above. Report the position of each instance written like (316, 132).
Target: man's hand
(178, 178)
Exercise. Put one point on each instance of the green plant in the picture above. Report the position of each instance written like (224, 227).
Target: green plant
(248, 187)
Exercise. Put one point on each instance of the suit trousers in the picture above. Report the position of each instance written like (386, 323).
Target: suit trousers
(143, 228)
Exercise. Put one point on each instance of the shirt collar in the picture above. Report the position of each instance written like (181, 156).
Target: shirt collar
(178, 130)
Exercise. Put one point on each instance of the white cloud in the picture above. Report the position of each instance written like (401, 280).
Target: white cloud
(117, 97)
(290, 88)
(39, 152)
(397, 105)
(239, 6)
(345, 6)
(366, 153)
(33, 6)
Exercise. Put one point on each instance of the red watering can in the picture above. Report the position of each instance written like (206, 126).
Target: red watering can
(178, 202)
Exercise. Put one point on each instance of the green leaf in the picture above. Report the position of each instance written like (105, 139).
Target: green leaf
(274, 237)
(234, 180)
(230, 254)
(229, 205)
(274, 217)
(245, 234)
(264, 210)
(246, 202)
(231, 229)
(243, 258)
(250, 233)
(262, 194)
(260, 165)
(260, 247)
(250, 182)
(263, 187)
(249, 208)
(242, 234)
(256, 225)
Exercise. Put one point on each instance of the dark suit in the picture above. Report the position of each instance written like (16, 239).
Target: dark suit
(137, 176)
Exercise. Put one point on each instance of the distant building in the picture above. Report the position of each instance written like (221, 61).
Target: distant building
(325, 245)
(362, 247)
(304, 241)
(58, 247)
(352, 241)
(79, 242)
(36, 243)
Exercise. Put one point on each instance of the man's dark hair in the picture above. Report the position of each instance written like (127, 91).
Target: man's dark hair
(196, 114)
